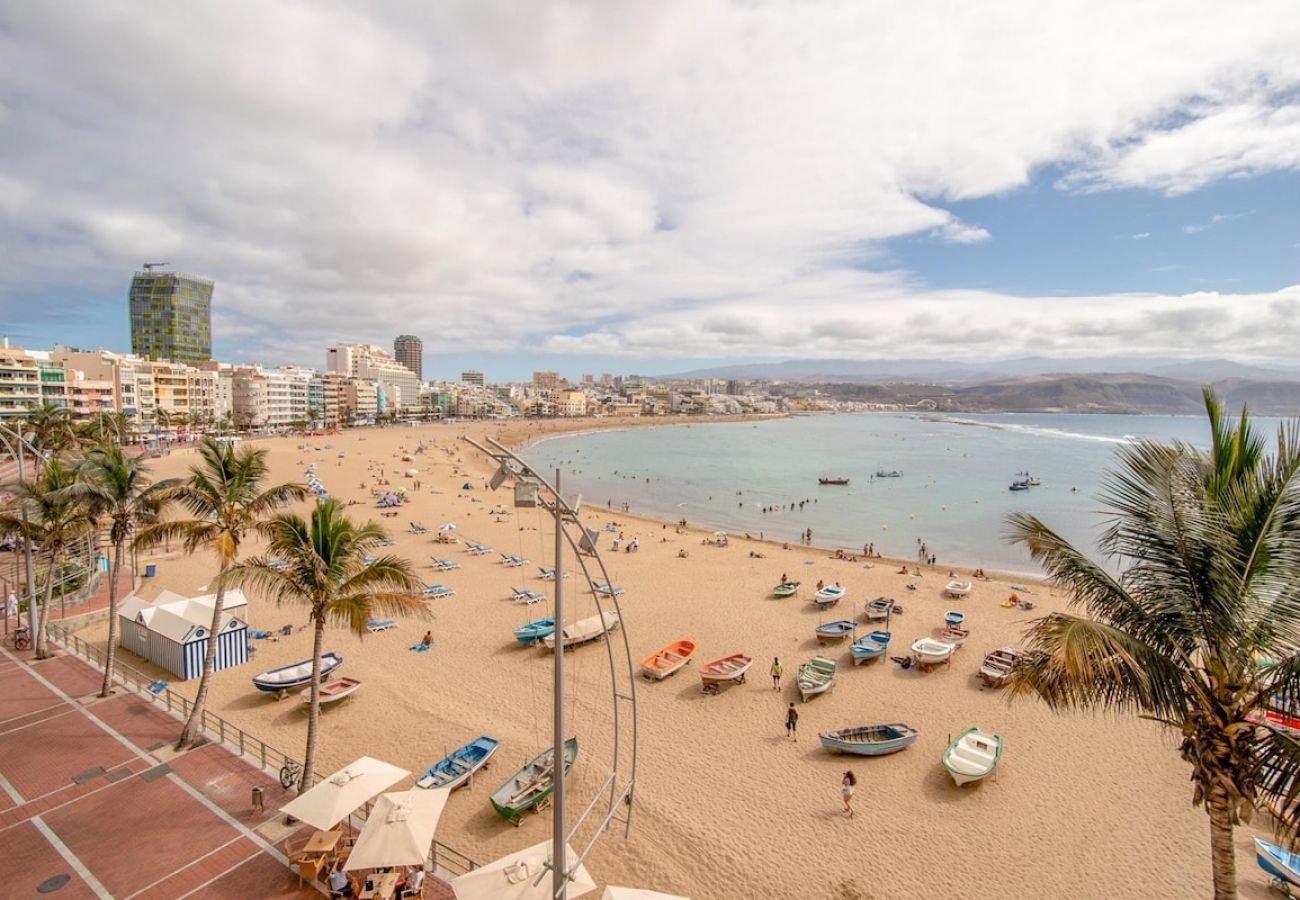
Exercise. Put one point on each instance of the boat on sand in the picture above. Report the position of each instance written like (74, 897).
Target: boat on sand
(834, 631)
(816, 676)
(956, 588)
(458, 766)
(929, 652)
(332, 691)
(1282, 865)
(584, 631)
(879, 609)
(532, 784)
(728, 670)
(869, 646)
(829, 596)
(785, 589)
(998, 665)
(972, 756)
(870, 740)
(658, 666)
(295, 674)
(533, 632)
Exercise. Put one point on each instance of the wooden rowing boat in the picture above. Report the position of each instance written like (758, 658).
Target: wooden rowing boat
(834, 631)
(532, 784)
(295, 674)
(972, 756)
(879, 609)
(870, 740)
(584, 631)
(869, 646)
(785, 589)
(332, 691)
(998, 665)
(728, 670)
(458, 767)
(658, 666)
(816, 676)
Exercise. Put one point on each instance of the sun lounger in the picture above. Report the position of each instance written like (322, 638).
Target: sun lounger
(527, 596)
(437, 590)
(477, 549)
(374, 625)
(549, 574)
(445, 565)
(513, 561)
(601, 587)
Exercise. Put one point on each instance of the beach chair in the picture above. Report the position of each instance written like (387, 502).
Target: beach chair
(374, 625)
(445, 565)
(522, 596)
(478, 549)
(437, 590)
(604, 589)
(549, 574)
(158, 687)
(512, 561)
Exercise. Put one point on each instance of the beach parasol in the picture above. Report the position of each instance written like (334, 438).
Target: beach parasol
(719, 534)
(447, 526)
(621, 893)
(512, 877)
(334, 799)
(399, 829)
(411, 473)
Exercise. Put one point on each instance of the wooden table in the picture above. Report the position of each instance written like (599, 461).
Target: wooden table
(384, 887)
(323, 842)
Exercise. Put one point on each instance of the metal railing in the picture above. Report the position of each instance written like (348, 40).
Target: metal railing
(270, 758)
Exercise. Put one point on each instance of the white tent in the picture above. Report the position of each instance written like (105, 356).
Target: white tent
(619, 893)
(332, 800)
(399, 829)
(512, 877)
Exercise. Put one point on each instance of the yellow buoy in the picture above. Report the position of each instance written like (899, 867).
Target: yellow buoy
(884, 527)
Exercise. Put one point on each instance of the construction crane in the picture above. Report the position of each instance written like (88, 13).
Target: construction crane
(149, 267)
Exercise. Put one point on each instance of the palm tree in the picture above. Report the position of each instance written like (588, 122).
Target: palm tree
(325, 569)
(1187, 633)
(42, 512)
(224, 494)
(116, 491)
(50, 429)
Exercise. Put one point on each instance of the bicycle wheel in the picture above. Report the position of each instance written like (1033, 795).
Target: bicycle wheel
(287, 776)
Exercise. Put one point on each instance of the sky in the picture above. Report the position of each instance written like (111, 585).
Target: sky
(613, 186)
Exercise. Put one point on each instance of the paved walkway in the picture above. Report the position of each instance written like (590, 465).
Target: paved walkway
(92, 795)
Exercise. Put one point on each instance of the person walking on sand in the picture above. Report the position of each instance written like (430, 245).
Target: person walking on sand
(776, 673)
(792, 722)
(846, 790)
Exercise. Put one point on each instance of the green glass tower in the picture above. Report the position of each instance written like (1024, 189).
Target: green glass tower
(171, 316)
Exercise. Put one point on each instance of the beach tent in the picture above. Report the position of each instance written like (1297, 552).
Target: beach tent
(333, 800)
(512, 877)
(399, 829)
(621, 893)
(173, 632)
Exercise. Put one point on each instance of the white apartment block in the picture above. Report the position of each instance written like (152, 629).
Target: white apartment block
(400, 386)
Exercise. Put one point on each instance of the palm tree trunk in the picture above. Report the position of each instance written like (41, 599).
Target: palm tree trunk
(110, 651)
(313, 711)
(1222, 853)
(38, 640)
(192, 731)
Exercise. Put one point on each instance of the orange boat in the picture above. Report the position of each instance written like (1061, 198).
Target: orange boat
(667, 661)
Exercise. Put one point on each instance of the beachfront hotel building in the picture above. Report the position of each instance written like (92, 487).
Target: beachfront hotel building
(409, 351)
(546, 381)
(399, 385)
(171, 316)
(472, 377)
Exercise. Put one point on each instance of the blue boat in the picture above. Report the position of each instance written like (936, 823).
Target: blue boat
(295, 674)
(954, 617)
(834, 631)
(459, 766)
(869, 740)
(1283, 865)
(869, 646)
(535, 631)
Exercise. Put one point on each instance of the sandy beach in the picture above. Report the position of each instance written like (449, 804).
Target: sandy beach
(726, 807)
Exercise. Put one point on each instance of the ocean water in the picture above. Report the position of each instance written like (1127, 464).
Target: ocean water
(953, 493)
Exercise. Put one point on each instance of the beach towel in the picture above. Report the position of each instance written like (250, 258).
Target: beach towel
(421, 647)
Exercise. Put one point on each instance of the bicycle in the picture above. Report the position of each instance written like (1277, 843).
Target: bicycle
(290, 772)
(20, 639)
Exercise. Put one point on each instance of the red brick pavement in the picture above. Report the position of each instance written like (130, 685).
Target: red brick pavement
(137, 828)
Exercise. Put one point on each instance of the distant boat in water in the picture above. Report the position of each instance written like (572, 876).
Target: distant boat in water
(891, 473)
(832, 481)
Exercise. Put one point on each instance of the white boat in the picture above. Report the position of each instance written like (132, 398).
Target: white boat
(972, 756)
(295, 674)
(584, 630)
(829, 596)
(957, 588)
(880, 609)
(929, 652)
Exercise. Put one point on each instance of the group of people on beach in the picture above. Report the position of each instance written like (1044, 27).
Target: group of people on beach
(849, 780)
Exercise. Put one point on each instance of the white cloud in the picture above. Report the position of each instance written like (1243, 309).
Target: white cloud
(1141, 236)
(497, 176)
(1216, 219)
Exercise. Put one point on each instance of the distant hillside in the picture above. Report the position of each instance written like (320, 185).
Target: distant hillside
(1102, 393)
(824, 371)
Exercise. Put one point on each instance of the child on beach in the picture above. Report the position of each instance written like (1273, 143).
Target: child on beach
(846, 790)
(792, 722)
(776, 674)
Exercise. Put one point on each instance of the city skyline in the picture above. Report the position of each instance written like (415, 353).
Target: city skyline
(658, 190)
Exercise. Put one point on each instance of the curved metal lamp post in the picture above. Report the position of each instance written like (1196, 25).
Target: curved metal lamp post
(532, 490)
(9, 437)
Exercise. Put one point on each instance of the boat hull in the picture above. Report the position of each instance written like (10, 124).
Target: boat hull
(973, 756)
(272, 682)
(534, 631)
(817, 676)
(458, 767)
(930, 652)
(668, 661)
(785, 589)
(728, 670)
(528, 787)
(332, 692)
(834, 631)
(870, 740)
(1277, 862)
(870, 647)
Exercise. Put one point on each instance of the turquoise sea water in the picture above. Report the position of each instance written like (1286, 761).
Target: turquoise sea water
(953, 493)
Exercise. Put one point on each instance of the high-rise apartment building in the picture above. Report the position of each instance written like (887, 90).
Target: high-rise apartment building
(546, 381)
(472, 377)
(171, 316)
(400, 386)
(409, 351)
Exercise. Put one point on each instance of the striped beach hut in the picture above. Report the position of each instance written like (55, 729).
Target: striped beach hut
(174, 634)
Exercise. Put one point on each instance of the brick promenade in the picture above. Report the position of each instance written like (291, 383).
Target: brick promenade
(92, 794)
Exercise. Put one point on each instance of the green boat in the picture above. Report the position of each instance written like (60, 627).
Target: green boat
(785, 589)
(532, 784)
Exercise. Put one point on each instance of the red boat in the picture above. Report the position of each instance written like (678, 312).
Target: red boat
(832, 481)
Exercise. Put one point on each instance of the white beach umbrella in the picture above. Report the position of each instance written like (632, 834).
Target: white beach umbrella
(620, 893)
(331, 801)
(399, 829)
(512, 877)
(449, 526)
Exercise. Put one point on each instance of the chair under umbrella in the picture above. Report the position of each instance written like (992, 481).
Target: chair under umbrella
(513, 877)
(333, 799)
(399, 830)
(622, 893)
